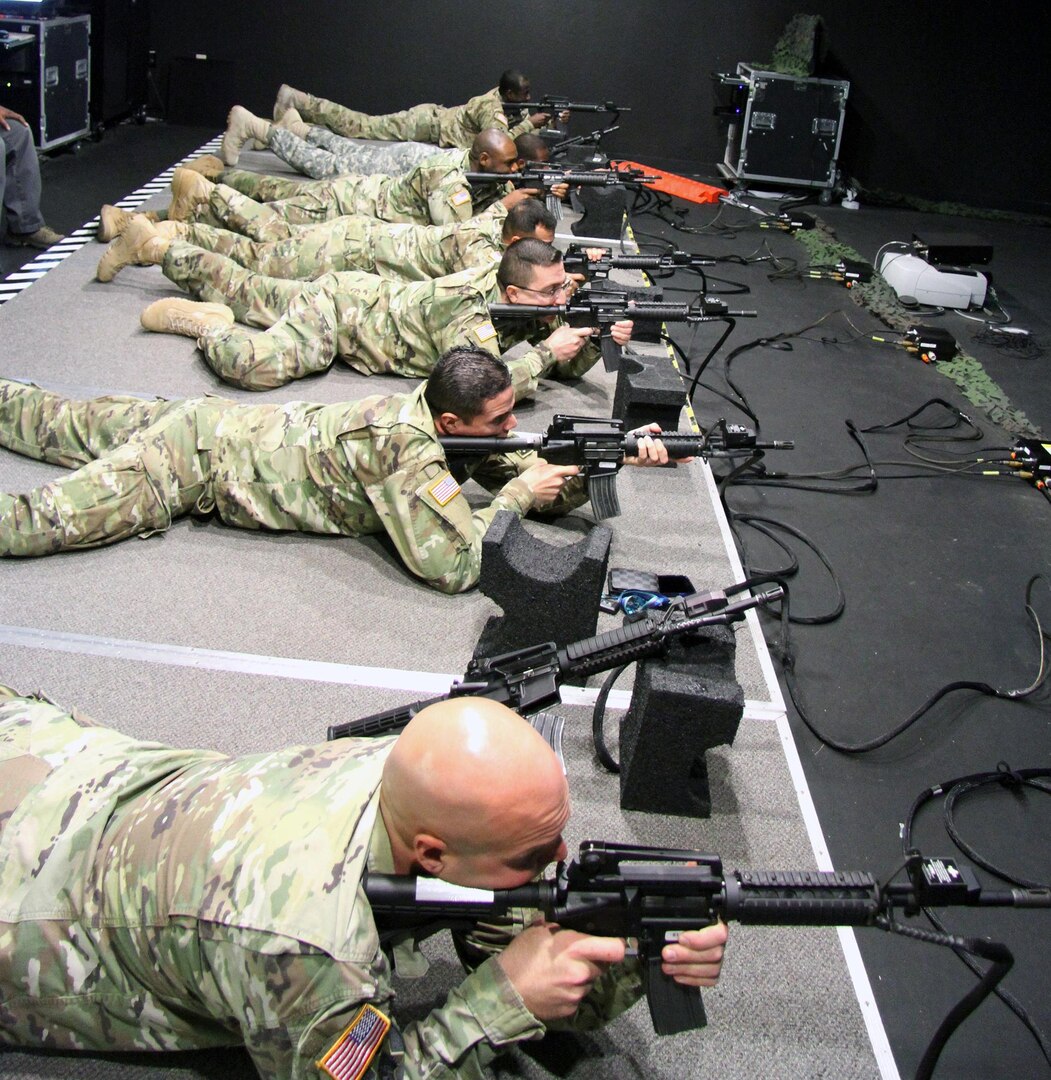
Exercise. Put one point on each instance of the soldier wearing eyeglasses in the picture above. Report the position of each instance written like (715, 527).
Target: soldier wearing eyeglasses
(374, 325)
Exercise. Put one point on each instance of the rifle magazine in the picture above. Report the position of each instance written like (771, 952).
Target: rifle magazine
(551, 726)
(673, 1007)
(602, 491)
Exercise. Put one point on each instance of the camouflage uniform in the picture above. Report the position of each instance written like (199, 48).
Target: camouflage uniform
(433, 193)
(456, 126)
(392, 250)
(374, 325)
(153, 898)
(349, 469)
(323, 153)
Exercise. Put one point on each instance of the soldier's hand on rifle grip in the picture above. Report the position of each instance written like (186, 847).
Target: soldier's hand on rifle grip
(567, 341)
(560, 191)
(546, 481)
(697, 957)
(553, 970)
(539, 119)
(513, 198)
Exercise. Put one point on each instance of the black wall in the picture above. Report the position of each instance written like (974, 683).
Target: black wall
(946, 101)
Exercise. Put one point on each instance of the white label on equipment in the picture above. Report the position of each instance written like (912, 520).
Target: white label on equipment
(434, 889)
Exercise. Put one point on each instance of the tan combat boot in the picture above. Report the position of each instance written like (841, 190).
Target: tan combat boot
(113, 221)
(189, 190)
(191, 318)
(292, 121)
(241, 125)
(138, 245)
(209, 166)
(288, 98)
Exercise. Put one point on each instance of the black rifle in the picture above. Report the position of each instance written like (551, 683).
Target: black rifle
(528, 680)
(552, 103)
(652, 894)
(591, 307)
(599, 447)
(545, 177)
(592, 137)
(576, 261)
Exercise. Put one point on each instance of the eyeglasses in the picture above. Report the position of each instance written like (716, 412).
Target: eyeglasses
(551, 291)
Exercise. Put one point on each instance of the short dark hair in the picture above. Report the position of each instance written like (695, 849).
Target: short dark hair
(526, 217)
(532, 147)
(512, 81)
(516, 267)
(463, 380)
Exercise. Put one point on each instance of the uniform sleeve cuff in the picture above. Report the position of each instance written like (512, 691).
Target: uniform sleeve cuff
(518, 495)
(498, 1007)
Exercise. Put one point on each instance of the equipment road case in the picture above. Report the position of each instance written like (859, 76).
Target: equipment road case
(47, 78)
(790, 130)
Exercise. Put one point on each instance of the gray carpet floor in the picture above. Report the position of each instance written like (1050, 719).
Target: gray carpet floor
(206, 635)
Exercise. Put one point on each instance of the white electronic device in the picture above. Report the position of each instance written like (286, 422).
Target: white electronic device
(915, 280)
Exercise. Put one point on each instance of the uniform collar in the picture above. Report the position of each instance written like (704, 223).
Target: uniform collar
(381, 856)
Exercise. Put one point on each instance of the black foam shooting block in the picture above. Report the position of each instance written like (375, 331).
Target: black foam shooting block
(648, 389)
(548, 592)
(682, 705)
(602, 211)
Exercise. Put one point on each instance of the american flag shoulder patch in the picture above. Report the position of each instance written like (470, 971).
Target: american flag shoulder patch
(500, 118)
(459, 197)
(351, 1054)
(484, 332)
(444, 489)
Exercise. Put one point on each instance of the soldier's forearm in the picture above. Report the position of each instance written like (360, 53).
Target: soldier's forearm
(527, 370)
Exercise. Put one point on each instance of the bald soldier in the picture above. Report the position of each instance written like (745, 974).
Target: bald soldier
(374, 325)
(357, 468)
(398, 251)
(155, 898)
(423, 123)
(435, 192)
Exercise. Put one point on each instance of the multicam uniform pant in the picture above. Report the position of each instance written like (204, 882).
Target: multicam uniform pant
(308, 202)
(418, 124)
(298, 202)
(347, 243)
(394, 250)
(143, 468)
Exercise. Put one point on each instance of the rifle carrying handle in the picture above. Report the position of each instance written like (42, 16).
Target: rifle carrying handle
(673, 1007)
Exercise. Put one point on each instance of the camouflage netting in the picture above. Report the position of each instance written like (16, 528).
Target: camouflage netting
(880, 197)
(877, 296)
(796, 51)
